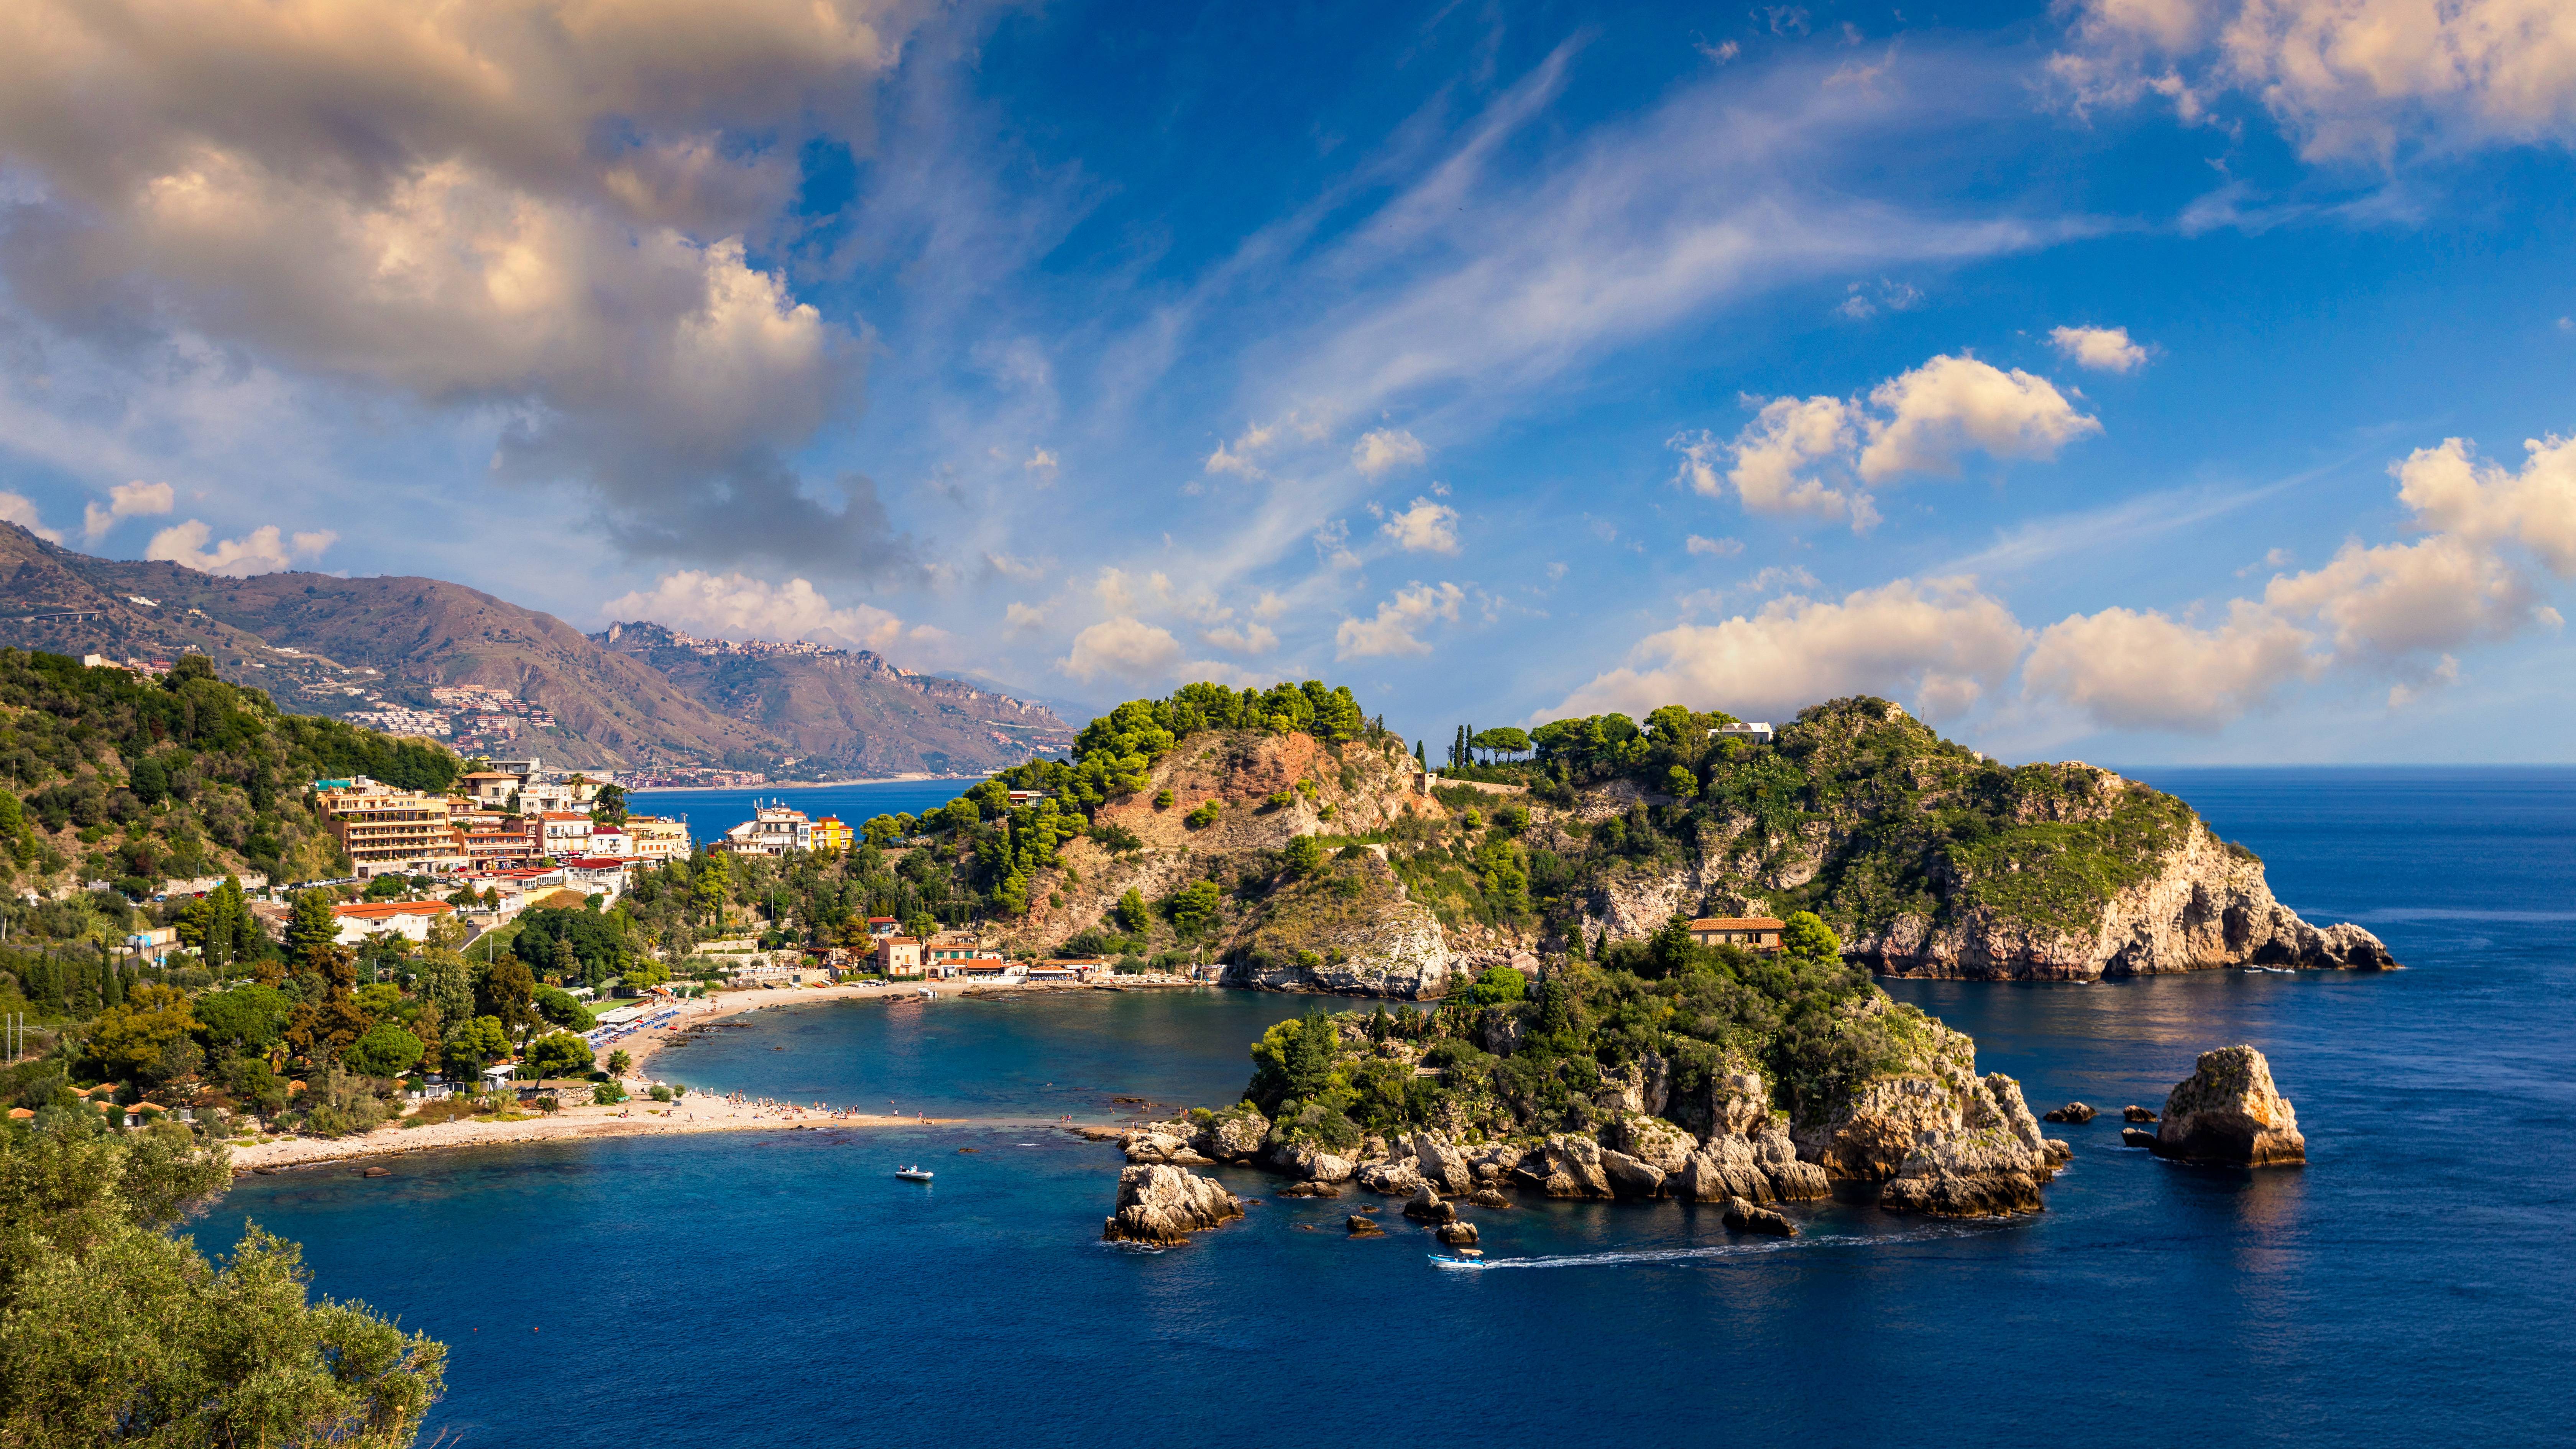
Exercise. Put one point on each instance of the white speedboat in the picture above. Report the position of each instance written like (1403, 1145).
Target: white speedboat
(913, 1174)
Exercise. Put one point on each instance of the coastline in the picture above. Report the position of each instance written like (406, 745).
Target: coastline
(797, 784)
(641, 1117)
(642, 1044)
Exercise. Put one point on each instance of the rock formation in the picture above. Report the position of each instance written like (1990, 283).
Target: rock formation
(1362, 1226)
(2205, 905)
(2136, 1113)
(1162, 1205)
(2074, 1112)
(2137, 1137)
(1744, 1217)
(1458, 1235)
(2227, 1111)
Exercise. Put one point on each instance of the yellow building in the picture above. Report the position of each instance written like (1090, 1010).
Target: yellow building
(831, 834)
(392, 832)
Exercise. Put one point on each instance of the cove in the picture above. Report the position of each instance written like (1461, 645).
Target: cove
(757, 1288)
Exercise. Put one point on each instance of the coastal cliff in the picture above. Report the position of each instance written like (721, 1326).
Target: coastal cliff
(1300, 862)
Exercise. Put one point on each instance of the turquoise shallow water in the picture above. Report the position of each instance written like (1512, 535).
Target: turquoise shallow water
(2410, 1284)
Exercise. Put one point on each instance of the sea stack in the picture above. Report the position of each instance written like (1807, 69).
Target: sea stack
(2228, 1112)
(1162, 1205)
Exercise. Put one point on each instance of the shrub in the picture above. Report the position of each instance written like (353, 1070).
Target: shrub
(1202, 817)
(661, 1093)
(607, 1094)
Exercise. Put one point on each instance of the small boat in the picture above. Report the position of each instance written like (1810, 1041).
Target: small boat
(913, 1174)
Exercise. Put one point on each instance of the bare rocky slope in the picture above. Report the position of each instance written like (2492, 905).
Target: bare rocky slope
(1926, 858)
(319, 644)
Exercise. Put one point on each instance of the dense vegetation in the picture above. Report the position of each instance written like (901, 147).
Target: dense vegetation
(116, 776)
(1909, 822)
(1115, 754)
(1518, 1059)
(114, 1331)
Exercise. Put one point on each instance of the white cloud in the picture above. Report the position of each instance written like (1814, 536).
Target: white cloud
(127, 500)
(736, 606)
(536, 207)
(1774, 460)
(1022, 569)
(2103, 349)
(2352, 79)
(1936, 643)
(1385, 450)
(1952, 405)
(1713, 547)
(2450, 488)
(1426, 527)
(1042, 465)
(19, 509)
(1241, 639)
(1024, 618)
(2396, 609)
(2401, 599)
(1397, 627)
(263, 550)
(2132, 670)
(1924, 421)
(1124, 647)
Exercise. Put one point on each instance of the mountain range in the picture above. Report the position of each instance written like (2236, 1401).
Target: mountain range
(636, 696)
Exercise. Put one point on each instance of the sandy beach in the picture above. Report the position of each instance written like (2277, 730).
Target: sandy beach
(697, 1112)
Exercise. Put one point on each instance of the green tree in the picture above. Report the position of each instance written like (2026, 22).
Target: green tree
(607, 1094)
(1309, 1065)
(508, 994)
(244, 1019)
(1498, 986)
(562, 1008)
(312, 927)
(1806, 940)
(1193, 910)
(385, 1051)
(1204, 816)
(1304, 856)
(476, 1044)
(619, 1063)
(560, 1054)
(114, 1332)
(1132, 912)
(608, 807)
(130, 1038)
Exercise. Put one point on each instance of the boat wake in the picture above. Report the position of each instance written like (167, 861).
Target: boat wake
(1714, 1250)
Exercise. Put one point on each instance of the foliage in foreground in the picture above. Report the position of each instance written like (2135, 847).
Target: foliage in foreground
(114, 1331)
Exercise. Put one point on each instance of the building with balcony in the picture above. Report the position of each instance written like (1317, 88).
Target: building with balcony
(391, 832)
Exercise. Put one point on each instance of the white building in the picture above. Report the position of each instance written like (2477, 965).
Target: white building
(772, 830)
(410, 920)
(1754, 731)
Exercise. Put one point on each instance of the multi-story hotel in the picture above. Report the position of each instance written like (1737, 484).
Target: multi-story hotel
(390, 831)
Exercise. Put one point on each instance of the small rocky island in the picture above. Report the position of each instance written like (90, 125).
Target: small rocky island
(1668, 1069)
(2227, 1112)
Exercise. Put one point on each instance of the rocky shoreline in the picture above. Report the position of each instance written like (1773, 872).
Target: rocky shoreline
(1963, 1149)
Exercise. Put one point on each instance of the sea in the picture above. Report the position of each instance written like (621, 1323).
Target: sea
(2413, 1284)
(710, 813)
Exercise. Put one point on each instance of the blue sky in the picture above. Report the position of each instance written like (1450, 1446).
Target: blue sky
(2085, 376)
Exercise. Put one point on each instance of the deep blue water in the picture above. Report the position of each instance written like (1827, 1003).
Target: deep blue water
(711, 813)
(2409, 1285)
